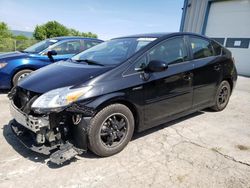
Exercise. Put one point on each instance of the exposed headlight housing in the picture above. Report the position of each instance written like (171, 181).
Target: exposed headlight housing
(3, 64)
(60, 97)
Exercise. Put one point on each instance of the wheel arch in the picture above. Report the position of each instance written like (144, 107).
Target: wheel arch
(230, 81)
(114, 99)
(20, 69)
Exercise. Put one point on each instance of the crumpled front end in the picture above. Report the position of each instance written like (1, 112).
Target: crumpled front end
(62, 134)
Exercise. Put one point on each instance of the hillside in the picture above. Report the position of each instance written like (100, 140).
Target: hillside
(25, 33)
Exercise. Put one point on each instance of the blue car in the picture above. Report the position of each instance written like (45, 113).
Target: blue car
(16, 65)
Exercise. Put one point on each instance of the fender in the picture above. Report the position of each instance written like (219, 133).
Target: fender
(102, 100)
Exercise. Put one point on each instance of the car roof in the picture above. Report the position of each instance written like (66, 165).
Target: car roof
(160, 35)
(74, 37)
(147, 35)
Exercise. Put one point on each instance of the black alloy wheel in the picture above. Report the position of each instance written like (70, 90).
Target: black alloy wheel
(113, 130)
(110, 130)
(222, 96)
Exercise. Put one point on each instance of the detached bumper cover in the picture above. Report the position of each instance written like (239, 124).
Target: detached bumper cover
(34, 133)
(58, 153)
(26, 137)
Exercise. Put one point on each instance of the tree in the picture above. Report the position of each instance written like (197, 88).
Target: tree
(39, 33)
(20, 37)
(55, 29)
(4, 30)
(89, 34)
(9, 42)
(74, 32)
(49, 30)
(6, 43)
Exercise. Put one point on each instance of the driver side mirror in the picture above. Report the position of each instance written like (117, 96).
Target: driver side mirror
(50, 54)
(153, 66)
(157, 66)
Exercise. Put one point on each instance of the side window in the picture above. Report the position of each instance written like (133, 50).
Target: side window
(68, 47)
(142, 62)
(201, 48)
(89, 44)
(141, 44)
(217, 48)
(171, 51)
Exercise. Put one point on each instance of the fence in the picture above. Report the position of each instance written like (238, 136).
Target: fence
(9, 44)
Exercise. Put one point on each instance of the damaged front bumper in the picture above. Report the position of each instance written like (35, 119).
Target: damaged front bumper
(62, 141)
(27, 139)
(32, 123)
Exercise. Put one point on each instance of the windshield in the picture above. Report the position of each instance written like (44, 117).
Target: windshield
(113, 52)
(40, 46)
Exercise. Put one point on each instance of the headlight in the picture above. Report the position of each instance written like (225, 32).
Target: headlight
(59, 97)
(2, 64)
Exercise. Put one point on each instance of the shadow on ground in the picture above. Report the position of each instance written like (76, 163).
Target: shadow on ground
(157, 128)
(4, 91)
(36, 157)
(19, 147)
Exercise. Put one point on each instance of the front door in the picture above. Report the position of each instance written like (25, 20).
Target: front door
(64, 50)
(169, 92)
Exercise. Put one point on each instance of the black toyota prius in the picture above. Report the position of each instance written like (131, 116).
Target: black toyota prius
(100, 97)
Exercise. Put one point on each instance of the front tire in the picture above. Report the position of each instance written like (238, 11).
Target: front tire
(20, 75)
(222, 96)
(110, 130)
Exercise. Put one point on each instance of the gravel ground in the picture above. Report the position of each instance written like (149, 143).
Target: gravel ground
(205, 149)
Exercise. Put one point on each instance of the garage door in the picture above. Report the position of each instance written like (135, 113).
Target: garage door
(229, 22)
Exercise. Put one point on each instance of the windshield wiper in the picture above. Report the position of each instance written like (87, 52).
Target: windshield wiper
(90, 62)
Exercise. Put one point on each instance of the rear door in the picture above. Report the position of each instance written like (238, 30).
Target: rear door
(207, 70)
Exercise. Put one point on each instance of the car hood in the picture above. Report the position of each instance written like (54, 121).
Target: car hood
(61, 74)
(12, 55)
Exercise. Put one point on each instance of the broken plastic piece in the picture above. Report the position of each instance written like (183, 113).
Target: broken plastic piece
(65, 153)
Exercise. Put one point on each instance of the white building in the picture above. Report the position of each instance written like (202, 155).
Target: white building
(226, 21)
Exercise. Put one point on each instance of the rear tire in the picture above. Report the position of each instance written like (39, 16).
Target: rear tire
(110, 130)
(222, 96)
(20, 75)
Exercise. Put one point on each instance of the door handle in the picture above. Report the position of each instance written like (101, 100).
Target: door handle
(187, 76)
(137, 88)
(217, 67)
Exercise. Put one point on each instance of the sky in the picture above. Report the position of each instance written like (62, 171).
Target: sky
(106, 18)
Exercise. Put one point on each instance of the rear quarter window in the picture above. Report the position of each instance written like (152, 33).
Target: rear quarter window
(217, 48)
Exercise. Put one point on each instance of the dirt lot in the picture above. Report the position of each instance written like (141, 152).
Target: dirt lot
(205, 149)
